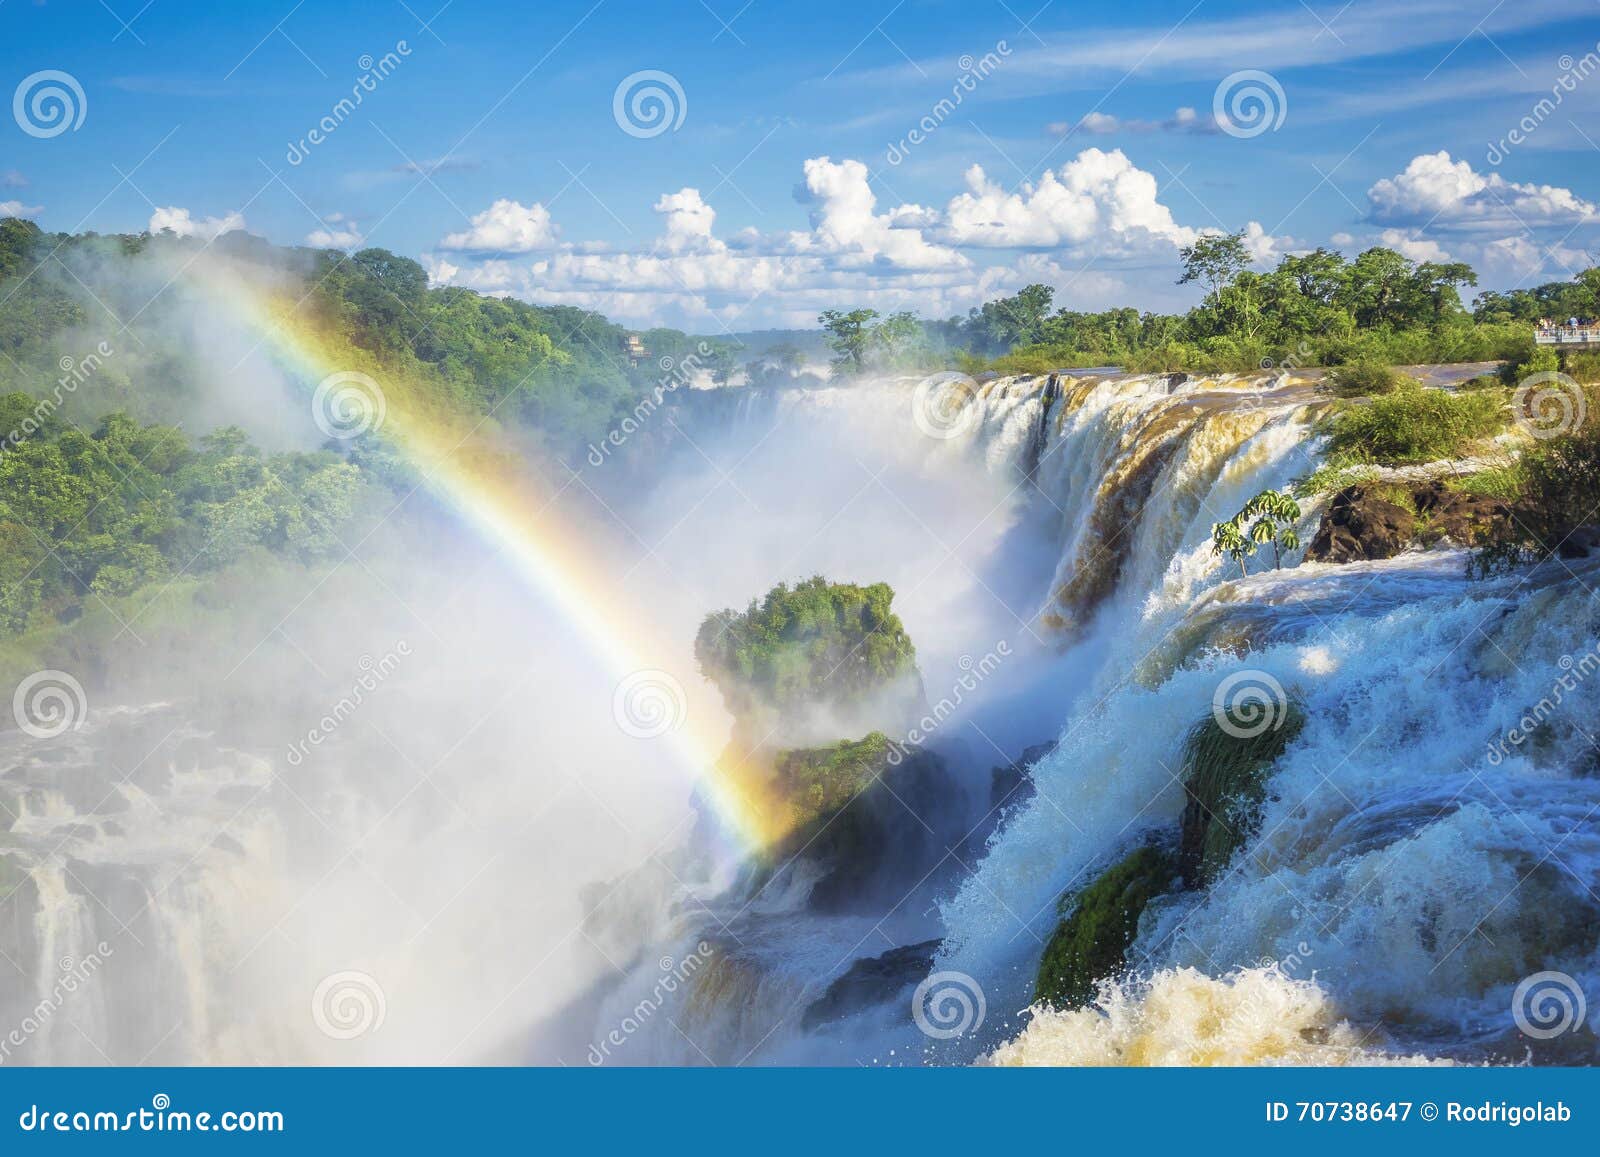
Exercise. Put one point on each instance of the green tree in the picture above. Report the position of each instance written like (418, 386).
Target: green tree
(849, 336)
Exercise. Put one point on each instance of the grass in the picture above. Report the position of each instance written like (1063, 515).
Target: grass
(1364, 379)
(1413, 425)
(1334, 477)
(1502, 482)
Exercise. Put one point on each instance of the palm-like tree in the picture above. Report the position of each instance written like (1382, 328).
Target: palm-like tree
(1274, 515)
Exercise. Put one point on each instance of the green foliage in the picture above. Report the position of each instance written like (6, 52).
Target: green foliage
(1224, 772)
(1503, 482)
(1314, 309)
(860, 341)
(1092, 940)
(814, 643)
(820, 780)
(1331, 477)
(1558, 485)
(86, 517)
(1414, 424)
(1364, 379)
(1268, 518)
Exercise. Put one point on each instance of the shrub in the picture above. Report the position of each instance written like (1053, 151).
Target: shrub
(824, 779)
(1414, 424)
(1364, 379)
(1558, 484)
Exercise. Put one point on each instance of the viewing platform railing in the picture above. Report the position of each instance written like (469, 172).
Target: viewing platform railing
(1568, 335)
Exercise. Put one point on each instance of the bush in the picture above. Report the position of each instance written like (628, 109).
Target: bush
(1414, 424)
(817, 644)
(1503, 482)
(1364, 379)
(1558, 483)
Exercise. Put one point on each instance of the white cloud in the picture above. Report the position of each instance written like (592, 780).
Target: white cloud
(506, 227)
(1098, 199)
(846, 226)
(1436, 189)
(1413, 245)
(1097, 208)
(179, 221)
(18, 209)
(337, 233)
(1098, 124)
(689, 221)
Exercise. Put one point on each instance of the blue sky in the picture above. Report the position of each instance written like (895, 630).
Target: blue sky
(1084, 150)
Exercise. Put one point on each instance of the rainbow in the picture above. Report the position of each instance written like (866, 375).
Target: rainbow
(515, 514)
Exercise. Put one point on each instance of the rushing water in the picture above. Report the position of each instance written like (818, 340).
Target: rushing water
(1407, 874)
(1411, 868)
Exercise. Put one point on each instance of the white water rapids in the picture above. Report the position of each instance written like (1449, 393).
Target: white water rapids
(1406, 876)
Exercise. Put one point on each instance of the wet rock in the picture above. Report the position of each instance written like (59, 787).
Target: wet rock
(870, 982)
(1100, 922)
(1372, 521)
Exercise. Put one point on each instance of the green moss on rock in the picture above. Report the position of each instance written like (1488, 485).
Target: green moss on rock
(823, 779)
(1091, 942)
(1225, 771)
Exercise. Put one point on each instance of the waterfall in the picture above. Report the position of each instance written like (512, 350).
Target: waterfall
(1393, 829)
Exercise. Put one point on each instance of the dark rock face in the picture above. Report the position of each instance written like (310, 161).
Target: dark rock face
(869, 982)
(886, 839)
(1011, 784)
(1376, 521)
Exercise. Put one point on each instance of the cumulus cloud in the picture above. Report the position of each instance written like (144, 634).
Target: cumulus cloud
(845, 223)
(18, 209)
(507, 226)
(337, 232)
(1098, 197)
(689, 221)
(1413, 245)
(856, 251)
(179, 221)
(1436, 189)
(1097, 124)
